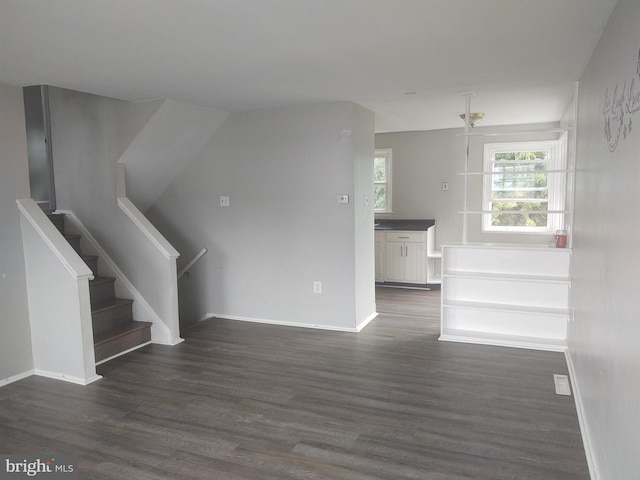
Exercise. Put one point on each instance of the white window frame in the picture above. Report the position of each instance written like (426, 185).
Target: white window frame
(388, 155)
(556, 183)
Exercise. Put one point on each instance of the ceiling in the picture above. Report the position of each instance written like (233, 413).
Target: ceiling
(407, 60)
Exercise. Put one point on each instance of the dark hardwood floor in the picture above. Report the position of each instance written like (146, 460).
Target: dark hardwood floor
(251, 401)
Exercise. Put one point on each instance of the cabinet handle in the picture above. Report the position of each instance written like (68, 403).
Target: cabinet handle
(406, 251)
(404, 237)
(401, 249)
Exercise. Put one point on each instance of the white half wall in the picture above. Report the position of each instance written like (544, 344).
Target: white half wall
(59, 305)
(282, 170)
(603, 339)
(15, 342)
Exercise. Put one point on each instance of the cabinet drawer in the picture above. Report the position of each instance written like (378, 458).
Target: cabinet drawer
(406, 237)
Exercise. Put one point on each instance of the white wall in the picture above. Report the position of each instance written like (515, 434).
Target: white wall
(165, 146)
(15, 342)
(282, 170)
(603, 340)
(423, 160)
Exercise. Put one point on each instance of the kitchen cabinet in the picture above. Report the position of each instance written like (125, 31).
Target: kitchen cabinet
(406, 256)
(405, 253)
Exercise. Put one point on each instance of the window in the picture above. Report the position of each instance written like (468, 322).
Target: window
(382, 181)
(523, 181)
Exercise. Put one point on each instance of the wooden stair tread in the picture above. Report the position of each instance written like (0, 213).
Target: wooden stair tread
(119, 331)
(111, 303)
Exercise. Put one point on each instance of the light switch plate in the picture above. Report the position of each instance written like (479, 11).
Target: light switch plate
(343, 198)
(224, 201)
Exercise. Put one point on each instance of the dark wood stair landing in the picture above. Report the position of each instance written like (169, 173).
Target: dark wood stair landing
(115, 332)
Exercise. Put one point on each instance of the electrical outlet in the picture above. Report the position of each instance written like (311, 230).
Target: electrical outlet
(317, 287)
(224, 201)
(445, 186)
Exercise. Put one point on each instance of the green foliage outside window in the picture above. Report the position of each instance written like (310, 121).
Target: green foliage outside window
(379, 197)
(517, 187)
(380, 183)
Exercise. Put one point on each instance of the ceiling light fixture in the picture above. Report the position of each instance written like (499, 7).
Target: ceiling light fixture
(473, 118)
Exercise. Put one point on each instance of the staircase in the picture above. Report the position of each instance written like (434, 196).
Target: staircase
(114, 330)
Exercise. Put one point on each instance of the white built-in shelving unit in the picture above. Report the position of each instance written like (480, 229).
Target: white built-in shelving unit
(511, 295)
(507, 294)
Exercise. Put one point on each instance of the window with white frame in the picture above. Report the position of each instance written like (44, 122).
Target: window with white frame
(382, 181)
(524, 186)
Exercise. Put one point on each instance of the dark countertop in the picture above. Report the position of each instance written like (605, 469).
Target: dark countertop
(400, 224)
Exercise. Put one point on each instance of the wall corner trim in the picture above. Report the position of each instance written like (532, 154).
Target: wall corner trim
(584, 430)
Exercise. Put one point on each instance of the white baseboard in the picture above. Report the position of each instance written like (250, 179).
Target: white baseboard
(498, 341)
(15, 378)
(172, 342)
(366, 321)
(66, 378)
(119, 354)
(282, 323)
(586, 438)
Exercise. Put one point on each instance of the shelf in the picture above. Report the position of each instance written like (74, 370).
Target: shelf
(435, 279)
(434, 254)
(517, 277)
(522, 132)
(523, 172)
(505, 307)
(506, 246)
(517, 212)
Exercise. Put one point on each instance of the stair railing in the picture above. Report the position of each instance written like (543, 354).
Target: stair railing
(185, 270)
